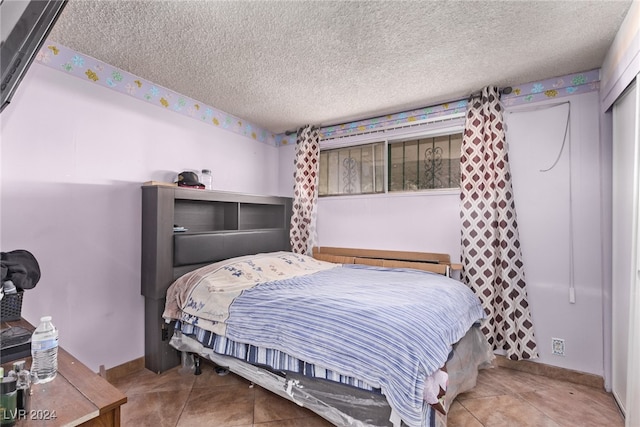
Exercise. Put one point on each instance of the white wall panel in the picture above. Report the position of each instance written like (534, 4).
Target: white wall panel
(286, 169)
(411, 222)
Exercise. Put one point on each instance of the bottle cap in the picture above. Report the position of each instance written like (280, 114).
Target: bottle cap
(45, 319)
(206, 170)
(7, 385)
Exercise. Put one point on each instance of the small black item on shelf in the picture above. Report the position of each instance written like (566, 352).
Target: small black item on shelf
(189, 179)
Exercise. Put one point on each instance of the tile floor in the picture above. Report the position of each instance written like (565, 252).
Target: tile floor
(502, 397)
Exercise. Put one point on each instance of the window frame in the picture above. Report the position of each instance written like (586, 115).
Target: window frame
(413, 134)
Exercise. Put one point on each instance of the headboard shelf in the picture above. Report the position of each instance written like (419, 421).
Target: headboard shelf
(219, 225)
(203, 215)
(254, 215)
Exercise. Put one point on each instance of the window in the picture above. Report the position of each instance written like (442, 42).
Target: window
(424, 163)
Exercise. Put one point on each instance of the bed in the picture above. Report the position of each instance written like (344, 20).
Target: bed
(346, 339)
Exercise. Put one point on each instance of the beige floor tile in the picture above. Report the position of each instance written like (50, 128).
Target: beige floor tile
(507, 411)
(488, 384)
(514, 382)
(209, 378)
(271, 407)
(221, 406)
(170, 380)
(298, 422)
(570, 407)
(124, 384)
(458, 416)
(598, 396)
(153, 409)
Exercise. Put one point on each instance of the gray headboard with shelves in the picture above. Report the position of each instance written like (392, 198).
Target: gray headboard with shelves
(218, 225)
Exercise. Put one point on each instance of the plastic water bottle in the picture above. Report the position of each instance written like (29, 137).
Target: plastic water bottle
(44, 351)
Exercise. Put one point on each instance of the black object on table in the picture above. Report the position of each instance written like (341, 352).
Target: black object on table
(15, 343)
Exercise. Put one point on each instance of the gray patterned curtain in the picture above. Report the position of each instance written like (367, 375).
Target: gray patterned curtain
(305, 191)
(491, 254)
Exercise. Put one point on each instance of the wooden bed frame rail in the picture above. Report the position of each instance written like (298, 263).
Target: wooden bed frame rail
(433, 262)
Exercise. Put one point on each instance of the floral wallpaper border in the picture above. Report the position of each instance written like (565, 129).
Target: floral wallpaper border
(572, 84)
(61, 58)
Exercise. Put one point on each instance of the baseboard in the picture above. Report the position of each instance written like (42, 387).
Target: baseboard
(556, 372)
(123, 370)
(620, 406)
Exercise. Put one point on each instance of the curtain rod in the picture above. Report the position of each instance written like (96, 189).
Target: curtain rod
(505, 90)
(502, 91)
(291, 132)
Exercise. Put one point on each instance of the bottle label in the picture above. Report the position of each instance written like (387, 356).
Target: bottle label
(44, 344)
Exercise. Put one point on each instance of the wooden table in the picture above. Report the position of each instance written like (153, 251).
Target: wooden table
(77, 396)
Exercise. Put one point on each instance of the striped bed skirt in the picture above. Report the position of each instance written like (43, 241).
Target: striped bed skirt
(273, 359)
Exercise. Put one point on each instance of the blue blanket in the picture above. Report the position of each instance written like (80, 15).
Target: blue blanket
(391, 328)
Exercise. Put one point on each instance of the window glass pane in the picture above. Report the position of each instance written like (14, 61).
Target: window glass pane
(353, 170)
(323, 187)
(343, 156)
(426, 172)
(334, 172)
(351, 161)
(436, 165)
(456, 150)
(367, 174)
(426, 163)
(411, 165)
(396, 167)
(378, 151)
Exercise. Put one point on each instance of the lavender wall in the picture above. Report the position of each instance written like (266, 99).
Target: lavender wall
(73, 158)
(561, 230)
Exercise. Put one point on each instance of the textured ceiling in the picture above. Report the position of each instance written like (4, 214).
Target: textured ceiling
(281, 65)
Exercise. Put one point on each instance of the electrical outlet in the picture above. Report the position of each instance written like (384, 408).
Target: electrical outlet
(557, 346)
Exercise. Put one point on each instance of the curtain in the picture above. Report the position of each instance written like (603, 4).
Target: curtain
(491, 253)
(305, 191)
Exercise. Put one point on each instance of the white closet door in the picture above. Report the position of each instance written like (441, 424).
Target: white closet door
(624, 238)
(633, 366)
